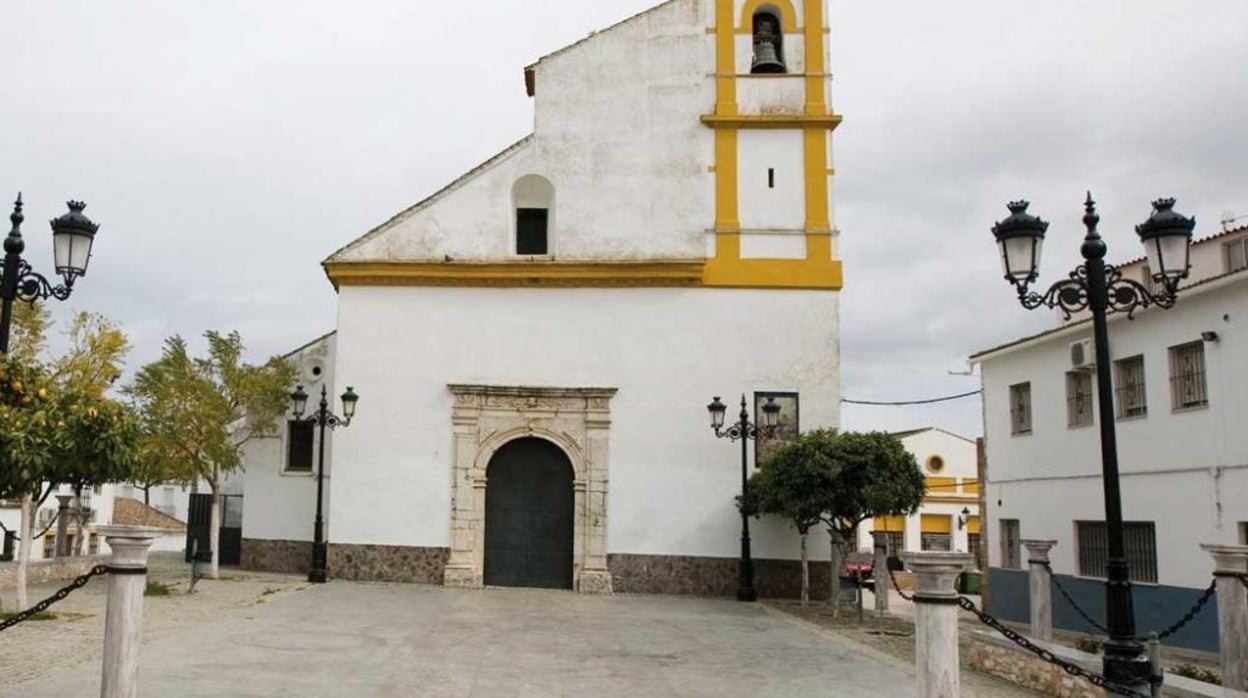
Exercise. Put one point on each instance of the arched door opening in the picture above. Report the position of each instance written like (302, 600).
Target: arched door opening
(529, 508)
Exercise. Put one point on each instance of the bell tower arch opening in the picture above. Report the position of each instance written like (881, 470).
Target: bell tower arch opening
(768, 41)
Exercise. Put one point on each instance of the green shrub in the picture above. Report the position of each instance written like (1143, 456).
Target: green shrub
(1197, 673)
(1085, 643)
(158, 589)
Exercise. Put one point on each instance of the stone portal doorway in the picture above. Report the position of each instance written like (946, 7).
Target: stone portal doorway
(529, 508)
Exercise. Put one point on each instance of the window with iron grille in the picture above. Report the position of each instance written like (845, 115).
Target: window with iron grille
(1129, 389)
(299, 446)
(1139, 542)
(1078, 398)
(896, 542)
(1236, 255)
(1187, 376)
(1011, 558)
(93, 544)
(974, 547)
(936, 541)
(1020, 408)
(49, 547)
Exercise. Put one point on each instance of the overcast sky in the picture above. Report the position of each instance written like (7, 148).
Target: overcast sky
(227, 147)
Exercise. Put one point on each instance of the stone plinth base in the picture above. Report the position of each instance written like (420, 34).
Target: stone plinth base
(460, 577)
(387, 563)
(595, 582)
(282, 556)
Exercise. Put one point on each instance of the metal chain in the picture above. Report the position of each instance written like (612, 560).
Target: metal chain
(1046, 655)
(1191, 613)
(59, 595)
(904, 595)
(1071, 602)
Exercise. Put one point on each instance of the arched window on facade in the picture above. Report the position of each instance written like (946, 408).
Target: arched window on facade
(533, 199)
(768, 42)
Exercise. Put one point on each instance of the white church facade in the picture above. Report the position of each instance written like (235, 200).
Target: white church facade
(534, 345)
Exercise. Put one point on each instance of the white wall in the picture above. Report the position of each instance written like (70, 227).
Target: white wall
(784, 205)
(279, 504)
(1186, 470)
(668, 351)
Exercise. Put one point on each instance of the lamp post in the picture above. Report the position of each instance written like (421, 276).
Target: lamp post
(323, 418)
(72, 236)
(1100, 287)
(744, 430)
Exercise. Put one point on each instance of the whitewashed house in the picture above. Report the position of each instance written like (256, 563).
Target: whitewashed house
(948, 518)
(534, 345)
(1181, 398)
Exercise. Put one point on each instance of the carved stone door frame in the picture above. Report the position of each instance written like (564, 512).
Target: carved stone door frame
(578, 421)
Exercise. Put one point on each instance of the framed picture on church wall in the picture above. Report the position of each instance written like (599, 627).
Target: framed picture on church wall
(786, 423)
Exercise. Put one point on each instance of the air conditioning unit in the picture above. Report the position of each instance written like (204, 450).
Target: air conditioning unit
(1082, 355)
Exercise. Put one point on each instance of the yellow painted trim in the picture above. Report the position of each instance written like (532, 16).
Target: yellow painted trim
(728, 271)
(890, 523)
(725, 59)
(950, 500)
(816, 85)
(972, 524)
(816, 156)
(788, 16)
(935, 523)
(518, 274)
(735, 121)
(726, 206)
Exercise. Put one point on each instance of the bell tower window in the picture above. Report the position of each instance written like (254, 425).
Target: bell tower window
(768, 43)
(533, 200)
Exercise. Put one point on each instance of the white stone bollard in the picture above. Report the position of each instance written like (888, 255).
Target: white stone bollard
(1230, 561)
(879, 570)
(123, 620)
(936, 620)
(1040, 584)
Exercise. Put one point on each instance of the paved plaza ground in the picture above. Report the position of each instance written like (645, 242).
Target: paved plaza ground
(272, 635)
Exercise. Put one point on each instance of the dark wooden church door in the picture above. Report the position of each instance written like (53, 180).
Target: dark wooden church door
(528, 516)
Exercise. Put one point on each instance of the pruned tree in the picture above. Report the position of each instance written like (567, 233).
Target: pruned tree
(57, 424)
(795, 482)
(198, 414)
(875, 476)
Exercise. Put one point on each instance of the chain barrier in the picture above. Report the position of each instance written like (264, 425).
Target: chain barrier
(58, 596)
(1044, 654)
(1071, 602)
(1187, 617)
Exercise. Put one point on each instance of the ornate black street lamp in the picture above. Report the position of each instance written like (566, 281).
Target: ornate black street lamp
(1100, 287)
(322, 418)
(744, 430)
(72, 237)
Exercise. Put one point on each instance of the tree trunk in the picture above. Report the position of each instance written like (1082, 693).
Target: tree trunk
(214, 527)
(23, 556)
(805, 573)
(80, 515)
(147, 495)
(836, 560)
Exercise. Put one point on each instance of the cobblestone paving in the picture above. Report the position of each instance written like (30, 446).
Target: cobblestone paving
(39, 649)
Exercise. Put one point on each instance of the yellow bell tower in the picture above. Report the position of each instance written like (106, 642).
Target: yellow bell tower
(773, 133)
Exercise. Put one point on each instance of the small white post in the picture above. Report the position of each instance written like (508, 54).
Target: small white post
(936, 620)
(1040, 584)
(1229, 562)
(123, 619)
(879, 570)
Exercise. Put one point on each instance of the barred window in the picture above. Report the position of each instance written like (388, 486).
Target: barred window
(1187, 376)
(1237, 255)
(49, 547)
(1011, 559)
(1130, 393)
(1139, 542)
(1078, 399)
(974, 547)
(1020, 408)
(299, 446)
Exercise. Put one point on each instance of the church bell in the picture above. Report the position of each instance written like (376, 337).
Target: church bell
(766, 46)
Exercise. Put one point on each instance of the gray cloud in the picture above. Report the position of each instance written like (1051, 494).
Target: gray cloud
(227, 147)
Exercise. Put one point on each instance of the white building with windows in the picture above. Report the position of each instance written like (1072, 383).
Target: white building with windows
(534, 345)
(948, 518)
(1180, 379)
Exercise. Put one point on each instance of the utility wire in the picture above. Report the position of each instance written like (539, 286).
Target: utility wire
(913, 402)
